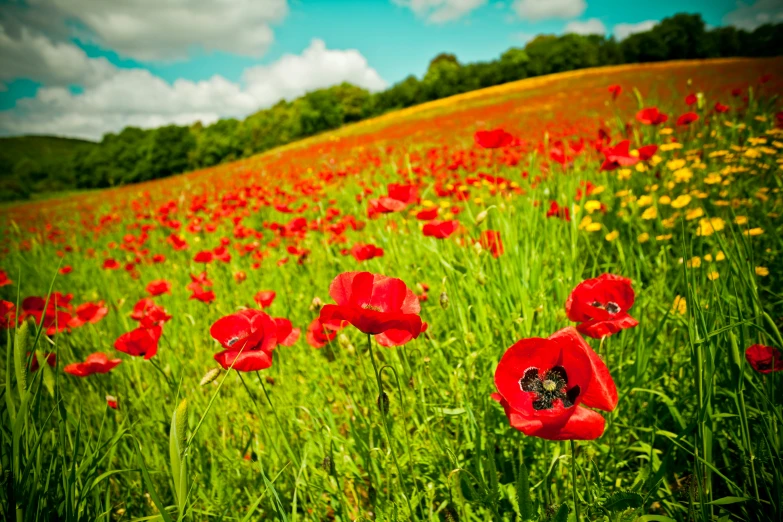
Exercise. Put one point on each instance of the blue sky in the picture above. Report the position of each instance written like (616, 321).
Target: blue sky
(85, 67)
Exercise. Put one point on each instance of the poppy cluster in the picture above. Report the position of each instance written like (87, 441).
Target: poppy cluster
(544, 384)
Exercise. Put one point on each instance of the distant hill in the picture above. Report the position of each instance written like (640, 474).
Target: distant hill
(39, 148)
(30, 163)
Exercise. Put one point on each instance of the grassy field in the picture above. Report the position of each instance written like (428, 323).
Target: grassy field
(330, 423)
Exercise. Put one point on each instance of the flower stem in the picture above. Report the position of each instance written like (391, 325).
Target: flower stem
(283, 431)
(381, 405)
(573, 480)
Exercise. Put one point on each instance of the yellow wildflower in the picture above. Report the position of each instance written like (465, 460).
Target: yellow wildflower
(694, 213)
(679, 306)
(650, 213)
(643, 237)
(709, 226)
(762, 271)
(611, 236)
(681, 201)
(754, 232)
(740, 220)
(712, 276)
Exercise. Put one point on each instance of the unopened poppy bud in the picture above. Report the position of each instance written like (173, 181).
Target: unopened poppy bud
(481, 277)
(478, 248)
(383, 402)
(210, 376)
(345, 343)
(328, 465)
(470, 338)
(481, 217)
(111, 402)
(317, 304)
(444, 300)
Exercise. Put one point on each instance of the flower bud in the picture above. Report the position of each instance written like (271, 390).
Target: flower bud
(328, 465)
(444, 300)
(345, 343)
(383, 402)
(481, 217)
(317, 304)
(210, 376)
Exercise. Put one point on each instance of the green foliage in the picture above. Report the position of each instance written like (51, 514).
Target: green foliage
(35, 164)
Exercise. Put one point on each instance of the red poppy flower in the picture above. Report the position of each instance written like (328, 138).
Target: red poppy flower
(198, 281)
(362, 252)
(53, 315)
(647, 152)
(720, 108)
(249, 337)
(408, 193)
(615, 90)
(4, 279)
(7, 314)
(139, 342)
(691, 99)
(493, 139)
(205, 256)
(556, 210)
(601, 305)
(287, 335)
(384, 205)
(50, 358)
(200, 294)
(428, 214)
(65, 270)
(373, 303)
(398, 337)
(440, 229)
(651, 116)
(542, 384)
(764, 359)
(95, 363)
(88, 313)
(159, 287)
(618, 156)
(687, 118)
(111, 264)
(490, 240)
(318, 333)
(149, 314)
(264, 298)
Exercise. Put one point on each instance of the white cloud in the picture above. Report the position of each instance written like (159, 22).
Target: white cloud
(35, 57)
(751, 16)
(535, 10)
(151, 30)
(293, 75)
(139, 98)
(589, 26)
(623, 31)
(441, 11)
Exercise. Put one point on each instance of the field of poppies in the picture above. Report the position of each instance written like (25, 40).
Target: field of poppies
(556, 299)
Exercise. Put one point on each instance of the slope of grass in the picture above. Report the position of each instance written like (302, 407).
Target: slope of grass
(696, 227)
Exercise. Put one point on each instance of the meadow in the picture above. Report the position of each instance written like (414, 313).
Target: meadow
(256, 366)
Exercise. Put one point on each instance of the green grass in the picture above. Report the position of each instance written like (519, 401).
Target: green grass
(696, 434)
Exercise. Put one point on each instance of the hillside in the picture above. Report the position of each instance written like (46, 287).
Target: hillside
(31, 164)
(135, 155)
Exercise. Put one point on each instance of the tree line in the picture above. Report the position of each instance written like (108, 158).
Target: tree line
(135, 155)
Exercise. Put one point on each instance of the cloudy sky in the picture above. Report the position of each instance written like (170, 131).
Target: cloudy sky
(86, 67)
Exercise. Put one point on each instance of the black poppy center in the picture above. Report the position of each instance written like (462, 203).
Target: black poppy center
(548, 387)
(611, 306)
